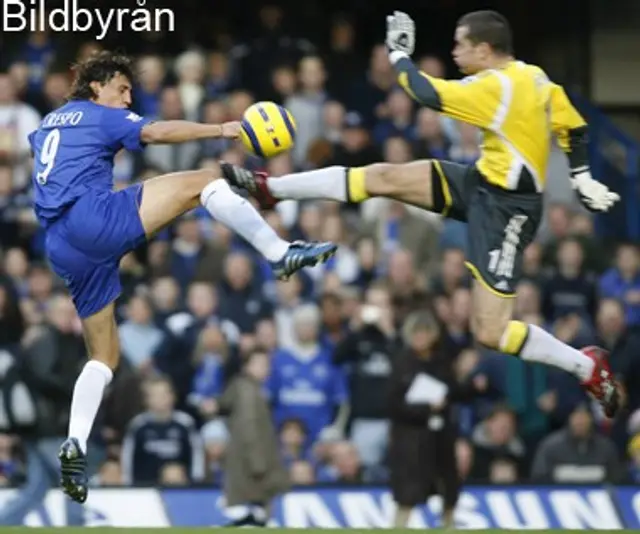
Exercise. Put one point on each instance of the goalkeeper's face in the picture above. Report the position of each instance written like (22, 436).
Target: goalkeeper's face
(470, 57)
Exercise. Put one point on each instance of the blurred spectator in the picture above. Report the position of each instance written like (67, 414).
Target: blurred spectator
(216, 443)
(334, 327)
(532, 262)
(57, 86)
(190, 71)
(577, 454)
(16, 213)
(558, 225)
(11, 320)
(52, 361)
(254, 470)
(304, 384)
(422, 454)
(241, 298)
(147, 92)
(355, 148)
(458, 327)
(139, 337)
(17, 121)
(210, 357)
(173, 474)
(396, 226)
(503, 471)
(431, 141)
(399, 120)
(367, 95)
(306, 106)
(161, 436)
(569, 289)
(294, 443)
(453, 273)
(219, 78)
(284, 83)
(343, 60)
(623, 282)
(190, 258)
(367, 352)
(38, 53)
(109, 474)
(494, 438)
(301, 473)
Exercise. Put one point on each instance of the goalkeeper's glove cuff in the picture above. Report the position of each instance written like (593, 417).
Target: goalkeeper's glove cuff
(397, 55)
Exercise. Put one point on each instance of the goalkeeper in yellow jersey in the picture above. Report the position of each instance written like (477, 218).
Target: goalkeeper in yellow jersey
(518, 110)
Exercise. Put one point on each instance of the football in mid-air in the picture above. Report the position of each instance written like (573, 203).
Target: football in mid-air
(267, 129)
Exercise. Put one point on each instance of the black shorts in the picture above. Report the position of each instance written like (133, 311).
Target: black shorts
(501, 223)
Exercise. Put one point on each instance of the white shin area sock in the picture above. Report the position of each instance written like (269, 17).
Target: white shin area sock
(87, 396)
(239, 215)
(329, 183)
(544, 348)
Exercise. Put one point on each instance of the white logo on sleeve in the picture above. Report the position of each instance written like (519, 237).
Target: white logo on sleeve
(134, 117)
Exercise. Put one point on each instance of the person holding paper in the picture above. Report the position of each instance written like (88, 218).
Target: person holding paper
(422, 449)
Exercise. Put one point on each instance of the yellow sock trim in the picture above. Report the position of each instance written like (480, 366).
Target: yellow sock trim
(356, 184)
(514, 337)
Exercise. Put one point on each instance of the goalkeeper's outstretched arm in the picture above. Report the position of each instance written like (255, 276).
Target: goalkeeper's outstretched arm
(414, 82)
(473, 100)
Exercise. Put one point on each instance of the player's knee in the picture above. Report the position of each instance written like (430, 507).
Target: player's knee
(382, 179)
(489, 331)
(198, 180)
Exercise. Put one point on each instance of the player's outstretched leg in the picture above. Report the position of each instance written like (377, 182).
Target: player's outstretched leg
(166, 197)
(409, 182)
(494, 328)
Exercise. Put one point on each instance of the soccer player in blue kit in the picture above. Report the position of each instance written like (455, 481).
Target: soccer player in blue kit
(89, 227)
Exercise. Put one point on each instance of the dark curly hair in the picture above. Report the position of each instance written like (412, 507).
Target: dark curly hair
(101, 67)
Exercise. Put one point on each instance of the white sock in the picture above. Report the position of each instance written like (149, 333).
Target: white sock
(239, 215)
(326, 184)
(544, 348)
(87, 396)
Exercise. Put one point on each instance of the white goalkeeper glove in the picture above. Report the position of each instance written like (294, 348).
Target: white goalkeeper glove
(594, 195)
(401, 34)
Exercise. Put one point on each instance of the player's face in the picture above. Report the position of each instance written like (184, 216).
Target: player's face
(116, 93)
(465, 53)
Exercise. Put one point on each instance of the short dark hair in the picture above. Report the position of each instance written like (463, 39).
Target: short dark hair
(489, 27)
(101, 67)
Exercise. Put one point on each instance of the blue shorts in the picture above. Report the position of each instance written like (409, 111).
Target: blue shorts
(86, 243)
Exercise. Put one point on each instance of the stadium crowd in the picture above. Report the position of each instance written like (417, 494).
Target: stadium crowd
(198, 302)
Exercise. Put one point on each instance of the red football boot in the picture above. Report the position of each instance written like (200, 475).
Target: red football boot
(255, 183)
(602, 385)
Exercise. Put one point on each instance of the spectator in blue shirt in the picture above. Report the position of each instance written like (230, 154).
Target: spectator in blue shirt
(623, 282)
(304, 384)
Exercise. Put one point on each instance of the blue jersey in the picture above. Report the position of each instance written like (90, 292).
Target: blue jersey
(308, 389)
(74, 148)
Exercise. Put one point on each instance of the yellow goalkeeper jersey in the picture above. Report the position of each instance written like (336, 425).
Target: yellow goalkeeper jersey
(518, 109)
